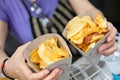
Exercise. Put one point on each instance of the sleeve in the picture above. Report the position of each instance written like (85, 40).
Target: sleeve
(3, 15)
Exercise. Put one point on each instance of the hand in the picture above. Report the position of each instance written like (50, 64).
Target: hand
(16, 67)
(110, 45)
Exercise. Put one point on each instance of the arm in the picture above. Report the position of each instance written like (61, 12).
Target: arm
(84, 7)
(3, 34)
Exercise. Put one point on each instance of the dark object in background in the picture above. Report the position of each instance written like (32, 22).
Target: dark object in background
(111, 10)
(11, 45)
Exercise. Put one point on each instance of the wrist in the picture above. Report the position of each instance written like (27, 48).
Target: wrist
(3, 68)
(93, 12)
(1, 63)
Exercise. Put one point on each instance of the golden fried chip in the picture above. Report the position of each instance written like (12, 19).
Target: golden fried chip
(47, 53)
(88, 20)
(96, 38)
(85, 32)
(74, 26)
(50, 48)
(85, 48)
(90, 46)
(1, 78)
(34, 56)
(100, 21)
(78, 39)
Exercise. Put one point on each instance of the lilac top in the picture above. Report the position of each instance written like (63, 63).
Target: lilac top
(14, 13)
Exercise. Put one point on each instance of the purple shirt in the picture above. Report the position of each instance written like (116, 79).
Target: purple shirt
(14, 13)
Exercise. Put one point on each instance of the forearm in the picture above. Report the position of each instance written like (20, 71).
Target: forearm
(3, 35)
(83, 7)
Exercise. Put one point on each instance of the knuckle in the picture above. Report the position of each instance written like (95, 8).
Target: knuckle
(18, 71)
(115, 30)
(19, 47)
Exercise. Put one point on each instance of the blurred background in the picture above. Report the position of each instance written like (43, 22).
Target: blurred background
(11, 44)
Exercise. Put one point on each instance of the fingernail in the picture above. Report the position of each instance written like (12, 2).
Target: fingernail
(46, 72)
(60, 72)
(109, 39)
(57, 71)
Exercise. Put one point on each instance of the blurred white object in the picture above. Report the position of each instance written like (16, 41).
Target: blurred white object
(113, 61)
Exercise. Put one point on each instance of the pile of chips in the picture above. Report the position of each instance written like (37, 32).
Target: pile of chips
(47, 53)
(85, 32)
(4, 78)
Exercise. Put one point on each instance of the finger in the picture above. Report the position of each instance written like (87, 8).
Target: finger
(54, 74)
(26, 44)
(19, 53)
(113, 32)
(106, 45)
(39, 76)
(56, 77)
(110, 50)
(22, 48)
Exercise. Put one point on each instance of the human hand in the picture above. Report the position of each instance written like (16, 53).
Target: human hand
(17, 68)
(110, 45)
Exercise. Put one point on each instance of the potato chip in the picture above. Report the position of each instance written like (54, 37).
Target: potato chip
(100, 21)
(50, 48)
(34, 56)
(88, 20)
(86, 47)
(47, 53)
(1, 78)
(78, 39)
(77, 24)
(95, 38)
(85, 32)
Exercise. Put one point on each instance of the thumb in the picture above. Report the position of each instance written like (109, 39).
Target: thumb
(25, 45)
(21, 49)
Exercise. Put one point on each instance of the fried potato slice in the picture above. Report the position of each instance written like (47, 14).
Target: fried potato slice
(74, 26)
(86, 47)
(95, 38)
(82, 31)
(47, 53)
(34, 56)
(50, 52)
(100, 21)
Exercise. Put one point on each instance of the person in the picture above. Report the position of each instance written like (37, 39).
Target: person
(18, 17)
